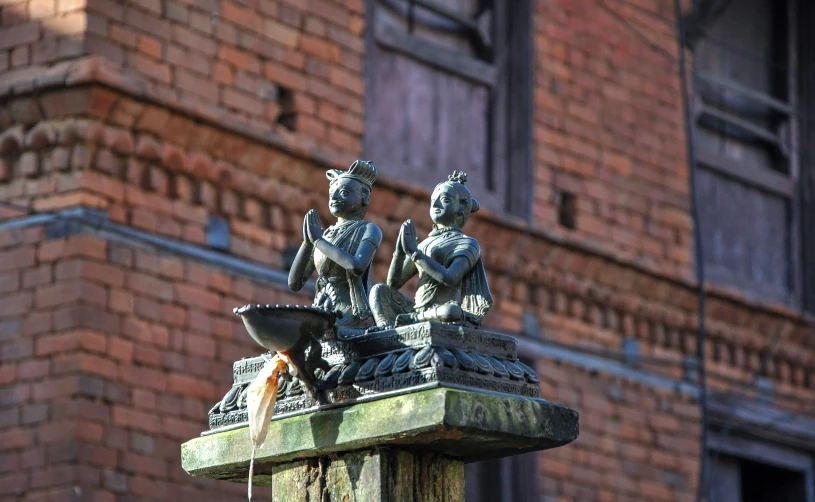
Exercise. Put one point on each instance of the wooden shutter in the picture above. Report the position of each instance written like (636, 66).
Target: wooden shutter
(747, 130)
(437, 102)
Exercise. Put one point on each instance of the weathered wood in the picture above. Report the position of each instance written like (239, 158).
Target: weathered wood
(746, 172)
(438, 57)
(434, 104)
(380, 475)
(747, 237)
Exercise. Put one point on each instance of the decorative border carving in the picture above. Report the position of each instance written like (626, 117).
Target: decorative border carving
(394, 360)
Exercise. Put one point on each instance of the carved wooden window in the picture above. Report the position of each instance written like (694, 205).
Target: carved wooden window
(448, 86)
(747, 470)
(748, 125)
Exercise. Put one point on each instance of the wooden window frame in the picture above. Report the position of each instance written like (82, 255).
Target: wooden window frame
(768, 453)
(784, 186)
(512, 101)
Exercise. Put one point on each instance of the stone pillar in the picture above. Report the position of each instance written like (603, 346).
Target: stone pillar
(376, 475)
(407, 447)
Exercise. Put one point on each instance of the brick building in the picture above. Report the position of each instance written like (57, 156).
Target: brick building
(157, 158)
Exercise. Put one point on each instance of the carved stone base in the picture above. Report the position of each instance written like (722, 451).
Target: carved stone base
(387, 363)
(467, 425)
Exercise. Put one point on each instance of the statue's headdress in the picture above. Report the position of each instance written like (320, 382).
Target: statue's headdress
(363, 171)
(457, 180)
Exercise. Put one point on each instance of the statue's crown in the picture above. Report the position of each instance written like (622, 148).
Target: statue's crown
(458, 177)
(363, 171)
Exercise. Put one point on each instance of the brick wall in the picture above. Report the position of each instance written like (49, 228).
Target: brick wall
(253, 62)
(175, 120)
(36, 33)
(608, 122)
(635, 443)
(609, 128)
(109, 363)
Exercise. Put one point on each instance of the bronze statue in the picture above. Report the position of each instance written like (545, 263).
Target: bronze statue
(341, 254)
(452, 282)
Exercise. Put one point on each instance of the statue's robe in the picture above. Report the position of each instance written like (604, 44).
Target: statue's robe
(347, 292)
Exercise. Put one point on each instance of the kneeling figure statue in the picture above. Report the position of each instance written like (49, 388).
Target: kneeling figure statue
(452, 282)
(342, 253)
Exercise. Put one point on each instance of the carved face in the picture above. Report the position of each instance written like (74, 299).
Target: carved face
(346, 198)
(445, 206)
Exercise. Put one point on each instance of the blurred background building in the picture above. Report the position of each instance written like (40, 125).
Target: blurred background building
(157, 158)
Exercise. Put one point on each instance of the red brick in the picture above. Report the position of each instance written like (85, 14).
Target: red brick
(139, 464)
(121, 301)
(18, 35)
(33, 370)
(121, 350)
(171, 267)
(173, 315)
(239, 59)
(142, 20)
(58, 294)
(147, 285)
(145, 355)
(56, 343)
(320, 48)
(194, 42)
(20, 56)
(16, 259)
(123, 35)
(189, 386)
(37, 276)
(9, 281)
(53, 476)
(150, 67)
(281, 33)
(245, 18)
(197, 85)
(137, 420)
(13, 483)
(31, 459)
(178, 429)
(222, 74)
(151, 47)
(8, 375)
(36, 323)
(90, 432)
(16, 304)
(284, 76)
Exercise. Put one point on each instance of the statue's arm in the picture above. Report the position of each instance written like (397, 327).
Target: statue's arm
(401, 270)
(356, 263)
(302, 268)
(449, 276)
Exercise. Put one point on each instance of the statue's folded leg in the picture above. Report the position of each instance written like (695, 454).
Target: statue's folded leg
(387, 303)
(449, 312)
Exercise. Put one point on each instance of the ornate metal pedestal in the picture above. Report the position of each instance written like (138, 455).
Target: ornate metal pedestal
(386, 363)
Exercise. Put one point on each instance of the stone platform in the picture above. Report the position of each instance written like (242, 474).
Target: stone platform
(464, 425)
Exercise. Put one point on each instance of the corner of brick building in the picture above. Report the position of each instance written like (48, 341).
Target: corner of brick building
(114, 349)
